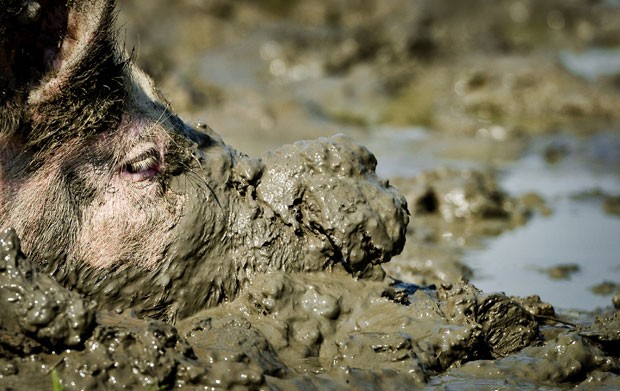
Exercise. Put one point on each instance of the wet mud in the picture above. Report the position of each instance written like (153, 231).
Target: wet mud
(321, 307)
(300, 331)
(453, 209)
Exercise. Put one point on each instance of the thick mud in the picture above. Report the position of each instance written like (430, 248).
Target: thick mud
(298, 331)
(497, 127)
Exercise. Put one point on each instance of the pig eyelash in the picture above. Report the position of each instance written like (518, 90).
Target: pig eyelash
(141, 165)
(144, 166)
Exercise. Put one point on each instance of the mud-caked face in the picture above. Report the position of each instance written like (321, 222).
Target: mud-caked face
(88, 148)
(114, 195)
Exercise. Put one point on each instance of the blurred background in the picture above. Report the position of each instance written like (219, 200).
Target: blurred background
(498, 120)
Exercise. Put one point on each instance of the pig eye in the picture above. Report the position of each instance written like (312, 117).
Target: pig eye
(144, 166)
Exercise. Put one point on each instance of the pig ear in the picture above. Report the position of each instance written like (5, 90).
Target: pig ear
(86, 47)
(43, 43)
(61, 73)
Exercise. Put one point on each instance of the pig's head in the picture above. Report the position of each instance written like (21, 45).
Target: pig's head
(115, 196)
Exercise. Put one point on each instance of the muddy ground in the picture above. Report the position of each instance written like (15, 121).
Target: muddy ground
(498, 121)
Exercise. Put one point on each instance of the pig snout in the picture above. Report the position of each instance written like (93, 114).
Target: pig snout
(328, 189)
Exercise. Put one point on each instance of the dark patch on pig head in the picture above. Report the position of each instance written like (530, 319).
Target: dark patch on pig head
(61, 76)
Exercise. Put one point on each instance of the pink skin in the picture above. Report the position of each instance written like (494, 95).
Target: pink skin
(119, 226)
(139, 233)
(147, 168)
(152, 162)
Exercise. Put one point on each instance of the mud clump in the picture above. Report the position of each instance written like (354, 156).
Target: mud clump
(606, 288)
(580, 356)
(459, 195)
(317, 185)
(36, 312)
(561, 271)
(611, 205)
(452, 209)
(330, 324)
(127, 353)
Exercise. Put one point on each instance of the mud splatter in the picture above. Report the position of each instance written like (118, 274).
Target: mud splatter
(36, 313)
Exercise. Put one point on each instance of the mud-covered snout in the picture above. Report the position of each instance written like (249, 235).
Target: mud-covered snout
(328, 188)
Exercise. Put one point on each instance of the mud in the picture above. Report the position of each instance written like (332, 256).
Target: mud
(562, 272)
(425, 63)
(454, 209)
(612, 205)
(327, 312)
(36, 311)
(304, 331)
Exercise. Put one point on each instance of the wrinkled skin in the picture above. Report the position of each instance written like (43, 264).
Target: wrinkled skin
(113, 195)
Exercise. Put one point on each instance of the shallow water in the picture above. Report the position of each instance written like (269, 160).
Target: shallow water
(578, 233)
(592, 63)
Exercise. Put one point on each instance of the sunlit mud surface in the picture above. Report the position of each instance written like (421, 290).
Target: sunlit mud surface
(499, 126)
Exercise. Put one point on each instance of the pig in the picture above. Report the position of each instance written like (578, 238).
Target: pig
(114, 196)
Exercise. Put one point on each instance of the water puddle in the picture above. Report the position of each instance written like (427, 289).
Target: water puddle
(559, 257)
(592, 63)
(578, 236)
